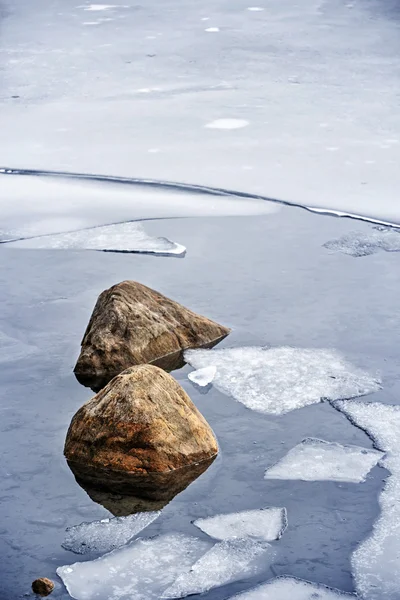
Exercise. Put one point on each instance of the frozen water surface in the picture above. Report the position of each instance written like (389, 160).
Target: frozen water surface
(107, 534)
(278, 380)
(227, 561)
(203, 377)
(318, 460)
(362, 243)
(376, 561)
(124, 237)
(141, 570)
(267, 524)
(288, 588)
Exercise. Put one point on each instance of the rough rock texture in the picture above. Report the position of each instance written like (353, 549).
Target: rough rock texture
(43, 586)
(141, 435)
(132, 324)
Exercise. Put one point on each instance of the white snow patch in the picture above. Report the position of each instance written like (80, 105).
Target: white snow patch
(123, 237)
(227, 124)
(91, 23)
(278, 380)
(266, 524)
(96, 7)
(360, 243)
(290, 588)
(227, 561)
(255, 8)
(318, 460)
(212, 29)
(203, 377)
(107, 534)
(140, 570)
(376, 561)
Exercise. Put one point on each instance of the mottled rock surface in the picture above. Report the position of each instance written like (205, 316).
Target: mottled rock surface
(43, 586)
(132, 324)
(141, 435)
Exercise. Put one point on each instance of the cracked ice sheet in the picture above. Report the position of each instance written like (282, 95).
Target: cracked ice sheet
(107, 534)
(278, 380)
(227, 561)
(289, 588)
(359, 243)
(267, 524)
(33, 205)
(318, 460)
(142, 570)
(376, 561)
(124, 237)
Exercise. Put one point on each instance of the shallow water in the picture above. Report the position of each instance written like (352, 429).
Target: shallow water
(271, 280)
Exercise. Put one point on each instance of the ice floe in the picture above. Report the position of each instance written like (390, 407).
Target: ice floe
(212, 29)
(278, 380)
(376, 561)
(107, 534)
(290, 588)
(227, 561)
(267, 524)
(226, 123)
(203, 377)
(124, 237)
(141, 570)
(361, 243)
(318, 460)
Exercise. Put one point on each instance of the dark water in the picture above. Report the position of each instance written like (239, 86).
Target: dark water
(271, 281)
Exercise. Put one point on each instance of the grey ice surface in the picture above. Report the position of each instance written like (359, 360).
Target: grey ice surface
(318, 460)
(226, 562)
(271, 281)
(287, 588)
(107, 534)
(362, 243)
(267, 524)
(278, 380)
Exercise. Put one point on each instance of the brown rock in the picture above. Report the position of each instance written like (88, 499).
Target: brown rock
(42, 586)
(132, 324)
(141, 435)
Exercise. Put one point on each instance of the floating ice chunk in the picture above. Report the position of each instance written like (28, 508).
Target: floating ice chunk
(107, 534)
(360, 243)
(212, 29)
(96, 7)
(290, 588)
(267, 524)
(124, 237)
(376, 561)
(203, 377)
(317, 460)
(255, 8)
(226, 562)
(140, 570)
(226, 123)
(278, 380)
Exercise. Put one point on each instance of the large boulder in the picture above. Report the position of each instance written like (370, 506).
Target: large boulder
(141, 435)
(132, 324)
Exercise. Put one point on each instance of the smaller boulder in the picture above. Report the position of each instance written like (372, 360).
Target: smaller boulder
(42, 587)
(141, 435)
(132, 324)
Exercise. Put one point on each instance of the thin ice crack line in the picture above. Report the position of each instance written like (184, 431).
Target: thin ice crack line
(187, 187)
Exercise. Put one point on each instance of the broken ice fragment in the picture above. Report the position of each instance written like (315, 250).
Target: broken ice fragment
(203, 377)
(107, 534)
(290, 588)
(278, 380)
(226, 562)
(140, 570)
(317, 460)
(123, 237)
(360, 243)
(376, 561)
(267, 524)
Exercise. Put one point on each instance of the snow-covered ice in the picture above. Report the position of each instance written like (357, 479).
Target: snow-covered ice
(212, 29)
(227, 123)
(318, 460)
(227, 561)
(376, 561)
(123, 237)
(278, 380)
(141, 570)
(203, 377)
(360, 243)
(290, 588)
(255, 8)
(107, 534)
(267, 524)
